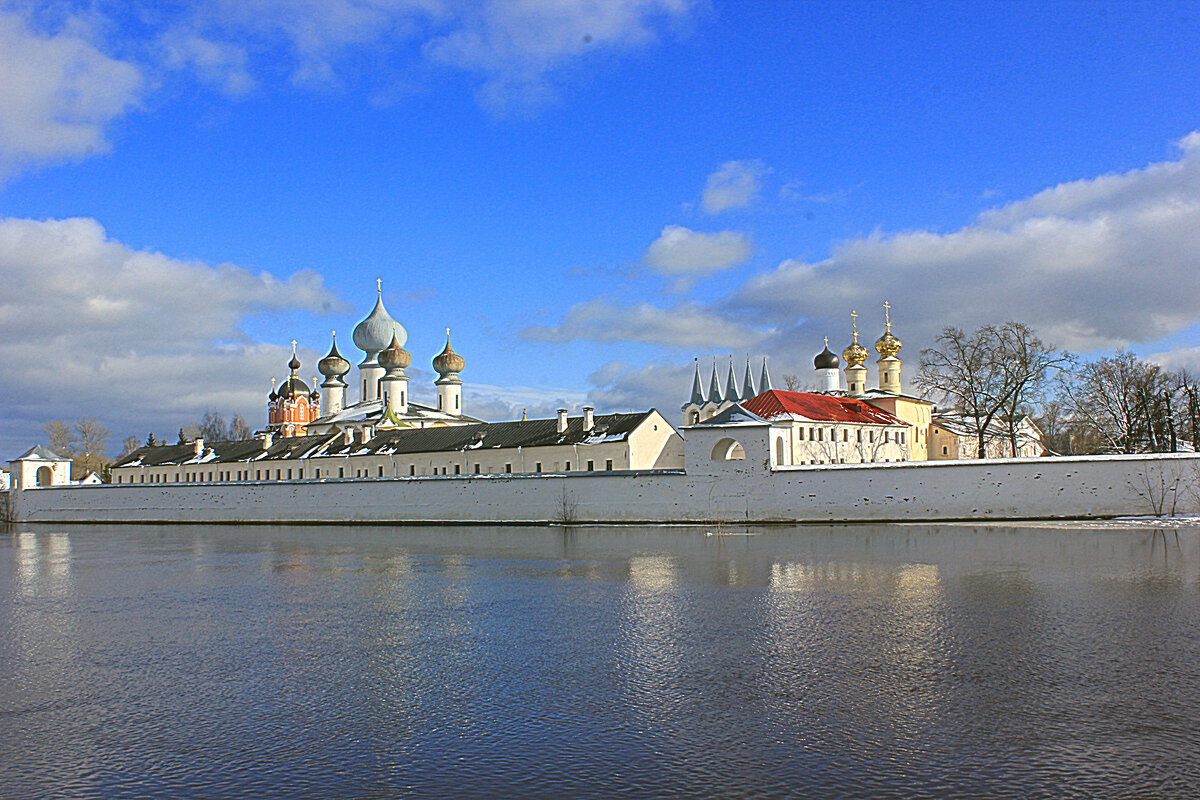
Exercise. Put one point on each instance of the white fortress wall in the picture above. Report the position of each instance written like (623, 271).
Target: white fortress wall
(731, 491)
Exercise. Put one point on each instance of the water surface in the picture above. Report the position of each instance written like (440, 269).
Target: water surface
(817, 661)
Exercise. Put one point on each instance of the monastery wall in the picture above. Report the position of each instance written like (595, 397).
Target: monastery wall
(731, 491)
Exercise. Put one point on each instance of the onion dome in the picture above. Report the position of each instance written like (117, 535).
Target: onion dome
(826, 359)
(855, 354)
(395, 356)
(377, 331)
(887, 345)
(294, 364)
(448, 362)
(333, 365)
(293, 387)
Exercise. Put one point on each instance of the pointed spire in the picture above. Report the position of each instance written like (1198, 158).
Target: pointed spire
(748, 390)
(731, 387)
(714, 386)
(764, 380)
(697, 387)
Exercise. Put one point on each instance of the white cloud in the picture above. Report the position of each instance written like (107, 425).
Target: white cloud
(684, 252)
(685, 325)
(1091, 264)
(518, 45)
(736, 184)
(136, 338)
(57, 94)
(220, 64)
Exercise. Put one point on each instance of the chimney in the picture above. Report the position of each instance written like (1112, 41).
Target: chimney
(349, 436)
(588, 421)
(199, 445)
(367, 432)
(267, 439)
(562, 420)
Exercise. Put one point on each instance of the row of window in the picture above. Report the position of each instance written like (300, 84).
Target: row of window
(818, 435)
(292, 474)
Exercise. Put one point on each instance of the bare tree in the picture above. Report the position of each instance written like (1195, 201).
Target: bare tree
(968, 372)
(1120, 399)
(212, 427)
(93, 438)
(129, 444)
(63, 440)
(1027, 362)
(239, 430)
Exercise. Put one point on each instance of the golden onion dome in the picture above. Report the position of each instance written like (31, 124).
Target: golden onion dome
(448, 362)
(855, 354)
(887, 345)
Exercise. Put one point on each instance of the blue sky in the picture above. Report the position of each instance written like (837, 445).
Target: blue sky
(590, 194)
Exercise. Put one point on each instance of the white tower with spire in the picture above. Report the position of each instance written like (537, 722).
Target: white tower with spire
(888, 346)
(693, 408)
(333, 388)
(448, 364)
(826, 364)
(372, 336)
(855, 355)
(393, 359)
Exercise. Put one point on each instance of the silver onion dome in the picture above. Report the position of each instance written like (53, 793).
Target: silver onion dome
(376, 332)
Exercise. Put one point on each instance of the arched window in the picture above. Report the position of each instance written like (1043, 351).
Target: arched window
(779, 450)
(45, 476)
(728, 450)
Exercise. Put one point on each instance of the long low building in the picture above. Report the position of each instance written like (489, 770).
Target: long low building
(587, 443)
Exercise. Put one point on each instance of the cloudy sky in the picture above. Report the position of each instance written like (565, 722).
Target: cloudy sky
(589, 193)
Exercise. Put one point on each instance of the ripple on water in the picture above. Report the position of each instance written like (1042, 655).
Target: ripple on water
(311, 663)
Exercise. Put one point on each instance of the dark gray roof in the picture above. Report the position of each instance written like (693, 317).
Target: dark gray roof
(40, 452)
(482, 435)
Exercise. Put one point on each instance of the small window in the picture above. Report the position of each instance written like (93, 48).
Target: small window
(820, 434)
(945, 450)
(537, 467)
(341, 472)
(591, 466)
(456, 402)
(566, 466)
(508, 468)
(412, 469)
(476, 469)
(608, 465)
(860, 435)
(439, 402)
(278, 474)
(845, 435)
(458, 469)
(871, 437)
(289, 474)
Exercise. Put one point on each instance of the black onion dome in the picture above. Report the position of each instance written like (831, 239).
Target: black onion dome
(394, 356)
(826, 359)
(333, 365)
(448, 361)
(293, 387)
(294, 364)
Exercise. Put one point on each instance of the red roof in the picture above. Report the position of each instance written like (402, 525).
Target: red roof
(774, 404)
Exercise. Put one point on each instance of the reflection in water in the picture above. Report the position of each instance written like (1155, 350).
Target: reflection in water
(819, 661)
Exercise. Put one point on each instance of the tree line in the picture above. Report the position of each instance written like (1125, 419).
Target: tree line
(212, 427)
(999, 374)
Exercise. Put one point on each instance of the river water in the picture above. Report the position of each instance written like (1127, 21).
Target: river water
(820, 661)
